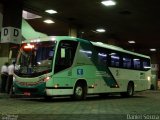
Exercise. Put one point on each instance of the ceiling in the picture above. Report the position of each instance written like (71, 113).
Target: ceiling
(137, 20)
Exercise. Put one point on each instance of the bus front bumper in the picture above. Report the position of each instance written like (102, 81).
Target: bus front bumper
(37, 90)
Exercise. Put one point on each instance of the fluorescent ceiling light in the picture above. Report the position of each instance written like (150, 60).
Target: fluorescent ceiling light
(131, 42)
(101, 30)
(27, 15)
(51, 11)
(108, 3)
(48, 21)
(152, 49)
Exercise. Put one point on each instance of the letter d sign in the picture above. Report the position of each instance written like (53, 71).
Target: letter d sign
(16, 33)
(5, 32)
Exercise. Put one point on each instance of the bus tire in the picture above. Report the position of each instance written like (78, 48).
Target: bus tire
(79, 91)
(130, 90)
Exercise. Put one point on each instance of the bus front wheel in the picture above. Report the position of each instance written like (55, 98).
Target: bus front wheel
(79, 91)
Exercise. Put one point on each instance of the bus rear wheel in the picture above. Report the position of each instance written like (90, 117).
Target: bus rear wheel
(130, 90)
(79, 92)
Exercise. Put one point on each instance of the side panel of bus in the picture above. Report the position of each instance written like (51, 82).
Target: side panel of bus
(139, 78)
(99, 77)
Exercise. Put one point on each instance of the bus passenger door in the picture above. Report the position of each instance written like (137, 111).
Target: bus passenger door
(63, 63)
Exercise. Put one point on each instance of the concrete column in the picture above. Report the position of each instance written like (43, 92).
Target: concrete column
(154, 71)
(11, 29)
(73, 31)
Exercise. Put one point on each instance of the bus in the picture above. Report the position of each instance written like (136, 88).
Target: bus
(63, 65)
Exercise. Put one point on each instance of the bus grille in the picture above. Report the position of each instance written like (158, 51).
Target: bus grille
(28, 89)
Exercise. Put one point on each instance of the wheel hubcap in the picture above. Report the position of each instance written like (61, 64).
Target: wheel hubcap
(79, 91)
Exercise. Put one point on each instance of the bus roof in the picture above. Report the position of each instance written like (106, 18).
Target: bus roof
(50, 38)
(99, 44)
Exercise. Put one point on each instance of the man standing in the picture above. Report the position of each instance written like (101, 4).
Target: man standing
(4, 76)
(10, 77)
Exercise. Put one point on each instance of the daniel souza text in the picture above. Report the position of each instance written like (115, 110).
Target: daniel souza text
(143, 117)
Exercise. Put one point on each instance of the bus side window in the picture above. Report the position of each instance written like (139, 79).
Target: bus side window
(87, 53)
(102, 58)
(146, 64)
(115, 60)
(127, 62)
(136, 63)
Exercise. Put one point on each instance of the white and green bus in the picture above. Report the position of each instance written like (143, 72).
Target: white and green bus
(62, 65)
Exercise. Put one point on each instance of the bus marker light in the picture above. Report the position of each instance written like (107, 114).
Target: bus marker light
(56, 85)
(46, 79)
(149, 78)
(28, 46)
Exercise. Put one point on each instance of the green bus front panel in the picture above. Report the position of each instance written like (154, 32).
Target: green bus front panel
(38, 89)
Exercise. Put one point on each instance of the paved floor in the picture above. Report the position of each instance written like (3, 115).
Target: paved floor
(113, 107)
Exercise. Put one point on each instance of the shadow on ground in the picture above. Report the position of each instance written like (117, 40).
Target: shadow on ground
(69, 99)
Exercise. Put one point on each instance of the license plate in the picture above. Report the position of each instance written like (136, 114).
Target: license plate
(27, 93)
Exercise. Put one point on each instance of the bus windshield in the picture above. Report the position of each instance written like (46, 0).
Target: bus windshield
(35, 58)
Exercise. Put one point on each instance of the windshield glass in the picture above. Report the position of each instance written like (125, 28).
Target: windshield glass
(35, 58)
